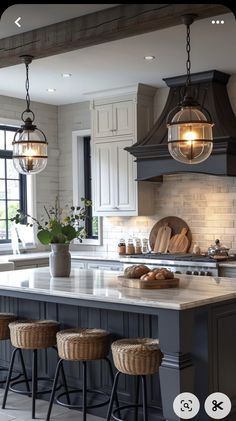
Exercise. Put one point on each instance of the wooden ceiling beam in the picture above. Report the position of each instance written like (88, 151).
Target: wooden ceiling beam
(107, 25)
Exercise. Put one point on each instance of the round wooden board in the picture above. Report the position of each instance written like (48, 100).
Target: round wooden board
(176, 225)
(155, 284)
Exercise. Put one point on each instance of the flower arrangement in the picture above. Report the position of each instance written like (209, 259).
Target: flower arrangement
(58, 225)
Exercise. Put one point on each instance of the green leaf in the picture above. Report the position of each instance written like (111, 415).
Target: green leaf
(69, 232)
(44, 237)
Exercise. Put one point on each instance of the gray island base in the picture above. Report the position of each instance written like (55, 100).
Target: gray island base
(195, 323)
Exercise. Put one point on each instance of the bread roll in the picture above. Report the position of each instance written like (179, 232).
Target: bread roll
(136, 271)
(151, 276)
(160, 276)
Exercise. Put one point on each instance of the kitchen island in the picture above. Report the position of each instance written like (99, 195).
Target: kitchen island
(195, 323)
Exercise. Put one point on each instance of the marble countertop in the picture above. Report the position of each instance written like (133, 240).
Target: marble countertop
(103, 286)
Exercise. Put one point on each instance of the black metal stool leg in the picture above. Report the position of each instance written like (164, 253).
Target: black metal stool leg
(24, 371)
(65, 384)
(113, 394)
(136, 398)
(144, 398)
(63, 377)
(9, 377)
(34, 380)
(112, 381)
(59, 364)
(84, 390)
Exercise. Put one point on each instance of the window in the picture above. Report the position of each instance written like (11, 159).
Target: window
(82, 183)
(91, 224)
(12, 184)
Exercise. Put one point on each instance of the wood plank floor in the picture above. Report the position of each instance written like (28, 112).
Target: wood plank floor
(18, 408)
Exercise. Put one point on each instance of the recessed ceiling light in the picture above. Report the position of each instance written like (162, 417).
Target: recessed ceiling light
(65, 75)
(51, 90)
(149, 58)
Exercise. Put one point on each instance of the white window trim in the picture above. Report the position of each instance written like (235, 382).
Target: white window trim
(77, 181)
(31, 196)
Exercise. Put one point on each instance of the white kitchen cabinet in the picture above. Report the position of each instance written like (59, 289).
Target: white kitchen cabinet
(115, 119)
(114, 177)
(117, 123)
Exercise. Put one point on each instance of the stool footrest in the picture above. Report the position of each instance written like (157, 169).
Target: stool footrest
(13, 378)
(25, 392)
(80, 406)
(121, 408)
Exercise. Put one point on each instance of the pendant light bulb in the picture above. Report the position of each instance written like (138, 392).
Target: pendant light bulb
(29, 143)
(190, 138)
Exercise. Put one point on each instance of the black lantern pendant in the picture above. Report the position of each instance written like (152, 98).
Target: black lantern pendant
(29, 143)
(190, 138)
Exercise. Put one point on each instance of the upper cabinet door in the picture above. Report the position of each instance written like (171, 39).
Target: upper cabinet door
(103, 121)
(103, 176)
(125, 185)
(123, 118)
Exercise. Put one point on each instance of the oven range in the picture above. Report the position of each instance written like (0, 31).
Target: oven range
(189, 264)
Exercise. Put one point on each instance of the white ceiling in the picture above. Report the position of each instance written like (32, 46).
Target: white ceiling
(121, 63)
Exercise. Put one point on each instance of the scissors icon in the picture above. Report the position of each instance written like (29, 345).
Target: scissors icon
(217, 405)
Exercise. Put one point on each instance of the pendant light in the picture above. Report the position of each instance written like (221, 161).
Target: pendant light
(29, 143)
(190, 138)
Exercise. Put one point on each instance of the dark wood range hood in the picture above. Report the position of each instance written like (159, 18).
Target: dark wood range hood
(153, 158)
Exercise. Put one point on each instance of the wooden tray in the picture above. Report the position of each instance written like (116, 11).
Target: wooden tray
(175, 223)
(140, 284)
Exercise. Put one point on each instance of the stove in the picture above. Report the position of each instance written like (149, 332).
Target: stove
(190, 264)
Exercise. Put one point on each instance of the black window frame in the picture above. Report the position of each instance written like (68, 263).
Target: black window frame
(88, 185)
(7, 154)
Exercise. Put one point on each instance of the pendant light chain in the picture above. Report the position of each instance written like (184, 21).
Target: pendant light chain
(27, 89)
(188, 62)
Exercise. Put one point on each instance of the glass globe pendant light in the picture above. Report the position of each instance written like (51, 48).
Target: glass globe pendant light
(190, 138)
(29, 143)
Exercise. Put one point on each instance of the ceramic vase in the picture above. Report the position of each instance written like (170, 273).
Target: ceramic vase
(60, 261)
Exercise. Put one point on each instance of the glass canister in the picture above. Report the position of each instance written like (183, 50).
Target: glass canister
(145, 246)
(121, 248)
(130, 246)
(138, 246)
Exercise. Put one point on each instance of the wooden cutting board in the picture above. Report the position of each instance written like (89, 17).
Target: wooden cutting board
(175, 223)
(179, 243)
(140, 284)
(162, 239)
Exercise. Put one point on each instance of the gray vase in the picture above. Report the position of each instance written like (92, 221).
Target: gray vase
(60, 260)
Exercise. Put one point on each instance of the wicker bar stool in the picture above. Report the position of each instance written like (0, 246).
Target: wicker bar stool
(81, 345)
(32, 335)
(135, 357)
(5, 319)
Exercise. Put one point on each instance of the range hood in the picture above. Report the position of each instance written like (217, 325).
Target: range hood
(152, 155)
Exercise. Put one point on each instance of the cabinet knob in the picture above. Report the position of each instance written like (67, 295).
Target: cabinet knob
(115, 207)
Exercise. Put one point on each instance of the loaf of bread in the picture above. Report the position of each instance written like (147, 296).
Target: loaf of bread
(136, 271)
(158, 274)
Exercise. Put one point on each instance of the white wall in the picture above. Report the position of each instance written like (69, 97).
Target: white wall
(70, 118)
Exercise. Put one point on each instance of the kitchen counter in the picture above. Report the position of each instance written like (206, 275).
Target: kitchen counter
(195, 325)
(102, 287)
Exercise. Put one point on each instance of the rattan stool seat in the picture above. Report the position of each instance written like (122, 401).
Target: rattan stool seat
(5, 319)
(136, 356)
(33, 334)
(83, 344)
